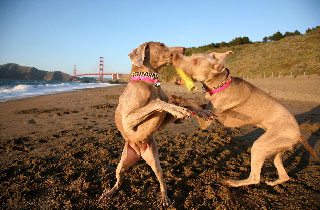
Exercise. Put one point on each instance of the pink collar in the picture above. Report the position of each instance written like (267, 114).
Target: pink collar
(221, 86)
(146, 76)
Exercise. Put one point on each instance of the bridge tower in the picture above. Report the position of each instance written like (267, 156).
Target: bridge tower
(74, 73)
(101, 70)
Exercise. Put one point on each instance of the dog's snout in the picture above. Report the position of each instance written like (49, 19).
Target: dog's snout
(177, 50)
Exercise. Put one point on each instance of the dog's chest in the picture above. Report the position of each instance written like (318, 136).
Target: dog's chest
(161, 94)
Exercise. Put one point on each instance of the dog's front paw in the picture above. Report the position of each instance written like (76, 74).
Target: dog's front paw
(181, 113)
(204, 114)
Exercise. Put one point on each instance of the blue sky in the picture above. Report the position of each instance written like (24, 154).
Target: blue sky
(54, 35)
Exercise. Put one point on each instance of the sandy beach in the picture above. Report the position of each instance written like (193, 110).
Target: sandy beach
(60, 151)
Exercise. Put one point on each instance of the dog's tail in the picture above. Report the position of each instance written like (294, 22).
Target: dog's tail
(307, 146)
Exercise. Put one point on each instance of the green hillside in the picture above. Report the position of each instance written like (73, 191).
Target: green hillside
(296, 54)
(16, 72)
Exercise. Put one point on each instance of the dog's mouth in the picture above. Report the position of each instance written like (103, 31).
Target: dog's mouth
(176, 50)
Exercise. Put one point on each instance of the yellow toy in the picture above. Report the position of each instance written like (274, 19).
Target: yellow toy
(188, 82)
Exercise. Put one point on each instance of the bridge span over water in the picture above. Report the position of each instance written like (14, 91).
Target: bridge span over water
(100, 74)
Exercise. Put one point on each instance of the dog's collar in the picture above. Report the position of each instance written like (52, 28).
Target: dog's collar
(146, 76)
(220, 86)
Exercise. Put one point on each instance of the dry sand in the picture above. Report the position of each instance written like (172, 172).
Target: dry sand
(60, 151)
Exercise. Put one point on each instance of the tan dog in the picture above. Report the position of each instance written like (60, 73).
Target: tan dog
(238, 103)
(142, 110)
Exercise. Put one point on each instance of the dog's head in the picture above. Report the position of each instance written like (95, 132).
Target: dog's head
(153, 55)
(201, 66)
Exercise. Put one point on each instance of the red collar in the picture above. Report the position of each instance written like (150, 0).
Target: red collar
(221, 86)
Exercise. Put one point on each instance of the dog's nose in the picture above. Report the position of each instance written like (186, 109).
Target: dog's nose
(178, 50)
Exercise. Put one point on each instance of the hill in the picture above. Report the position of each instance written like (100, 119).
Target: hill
(296, 54)
(16, 72)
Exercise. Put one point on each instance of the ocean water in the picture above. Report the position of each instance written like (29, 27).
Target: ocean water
(16, 89)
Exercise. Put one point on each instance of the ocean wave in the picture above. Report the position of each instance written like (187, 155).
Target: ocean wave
(17, 91)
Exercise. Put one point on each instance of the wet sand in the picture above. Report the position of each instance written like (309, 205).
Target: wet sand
(60, 151)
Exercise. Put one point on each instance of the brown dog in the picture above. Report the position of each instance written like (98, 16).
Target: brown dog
(236, 103)
(142, 110)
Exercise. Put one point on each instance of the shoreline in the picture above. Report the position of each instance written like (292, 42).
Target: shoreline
(32, 88)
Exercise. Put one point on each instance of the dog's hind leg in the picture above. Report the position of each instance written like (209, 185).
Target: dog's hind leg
(258, 156)
(128, 158)
(283, 176)
(271, 143)
(257, 160)
(149, 153)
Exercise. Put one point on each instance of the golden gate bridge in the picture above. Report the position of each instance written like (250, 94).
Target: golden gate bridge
(100, 74)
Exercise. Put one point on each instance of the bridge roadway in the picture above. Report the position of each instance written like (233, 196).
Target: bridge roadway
(79, 75)
(114, 75)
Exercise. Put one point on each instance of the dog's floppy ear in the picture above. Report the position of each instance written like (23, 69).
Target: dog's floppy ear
(137, 55)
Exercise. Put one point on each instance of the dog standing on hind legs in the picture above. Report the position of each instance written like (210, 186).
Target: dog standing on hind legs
(142, 110)
(236, 103)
